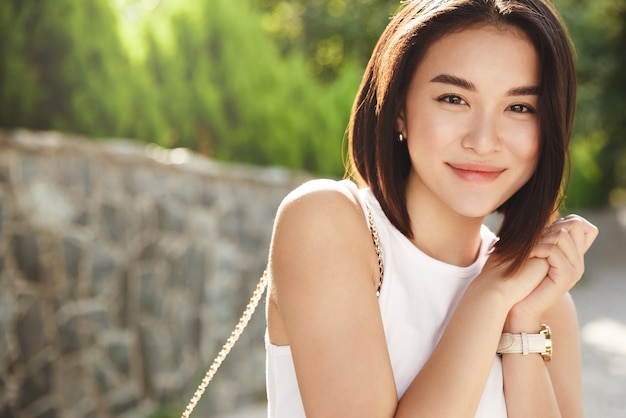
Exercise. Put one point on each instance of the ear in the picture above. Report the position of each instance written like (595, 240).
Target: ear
(401, 123)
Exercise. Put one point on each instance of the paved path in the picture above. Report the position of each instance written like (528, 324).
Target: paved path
(601, 302)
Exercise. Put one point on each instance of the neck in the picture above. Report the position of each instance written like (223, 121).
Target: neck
(440, 232)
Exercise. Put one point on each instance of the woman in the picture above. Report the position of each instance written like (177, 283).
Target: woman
(465, 109)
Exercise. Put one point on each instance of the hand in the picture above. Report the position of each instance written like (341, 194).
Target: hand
(513, 287)
(563, 247)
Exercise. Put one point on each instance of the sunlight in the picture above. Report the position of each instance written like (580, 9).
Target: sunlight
(179, 156)
(621, 216)
(609, 337)
(168, 156)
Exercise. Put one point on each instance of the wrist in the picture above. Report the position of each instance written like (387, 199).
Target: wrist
(492, 293)
(518, 321)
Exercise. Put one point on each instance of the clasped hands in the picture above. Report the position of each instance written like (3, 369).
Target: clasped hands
(554, 266)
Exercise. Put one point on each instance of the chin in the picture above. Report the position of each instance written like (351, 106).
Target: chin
(475, 211)
(473, 214)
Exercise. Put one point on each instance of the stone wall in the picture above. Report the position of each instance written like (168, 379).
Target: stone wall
(123, 268)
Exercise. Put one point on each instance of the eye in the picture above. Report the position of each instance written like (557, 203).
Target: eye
(521, 108)
(452, 99)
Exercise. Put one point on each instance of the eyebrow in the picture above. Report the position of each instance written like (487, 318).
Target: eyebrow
(468, 85)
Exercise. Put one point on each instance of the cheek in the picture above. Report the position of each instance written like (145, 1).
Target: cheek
(431, 130)
(524, 143)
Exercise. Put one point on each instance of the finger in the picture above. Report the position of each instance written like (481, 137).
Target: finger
(585, 232)
(547, 252)
(574, 226)
(562, 272)
(562, 240)
(591, 233)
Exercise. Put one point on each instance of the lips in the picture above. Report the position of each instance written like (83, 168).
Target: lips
(476, 173)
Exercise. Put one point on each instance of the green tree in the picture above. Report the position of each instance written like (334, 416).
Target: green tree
(203, 75)
(260, 81)
(614, 110)
(226, 90)
(53, 76)
(599, 140)
(331, 32)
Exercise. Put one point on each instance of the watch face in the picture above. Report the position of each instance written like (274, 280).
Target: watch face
(547, 333)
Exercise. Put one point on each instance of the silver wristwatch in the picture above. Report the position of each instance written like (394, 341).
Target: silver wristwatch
(527, 343)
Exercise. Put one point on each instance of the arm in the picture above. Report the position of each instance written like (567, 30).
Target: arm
(495, 303)
(565, 368)
(324, 275)
(532, 387)
(452, 381)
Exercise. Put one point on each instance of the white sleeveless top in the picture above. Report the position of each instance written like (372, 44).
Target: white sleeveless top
(417, 298)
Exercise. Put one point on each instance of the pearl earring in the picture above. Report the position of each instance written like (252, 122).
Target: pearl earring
(400, 137)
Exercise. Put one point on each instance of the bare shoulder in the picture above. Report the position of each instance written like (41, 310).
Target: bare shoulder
(319, 211)
(321, 246)
(319, 216)
(317, 196)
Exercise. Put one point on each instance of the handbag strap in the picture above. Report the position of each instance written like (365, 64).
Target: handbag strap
(251, 307)
(377, 248)
(230, 342)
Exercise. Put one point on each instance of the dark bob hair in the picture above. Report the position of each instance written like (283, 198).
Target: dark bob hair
(381, 162)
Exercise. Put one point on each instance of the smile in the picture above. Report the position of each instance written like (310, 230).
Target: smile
(478, 174)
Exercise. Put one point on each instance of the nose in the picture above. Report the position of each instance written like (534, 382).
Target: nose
(482, 134)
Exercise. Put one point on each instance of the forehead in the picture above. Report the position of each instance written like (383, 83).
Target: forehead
(487, 54)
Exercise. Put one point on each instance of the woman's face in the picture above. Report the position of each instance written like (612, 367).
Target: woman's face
(471, 119)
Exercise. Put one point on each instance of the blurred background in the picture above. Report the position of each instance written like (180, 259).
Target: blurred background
(266, 83)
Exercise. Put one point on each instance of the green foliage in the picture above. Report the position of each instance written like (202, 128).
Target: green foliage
(332, 32)
(54, 76)
(598, 146)
(203, 75)
(239, 98)
(260, 81)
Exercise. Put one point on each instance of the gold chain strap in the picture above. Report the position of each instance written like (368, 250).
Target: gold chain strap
(230, 342)
(379, 252)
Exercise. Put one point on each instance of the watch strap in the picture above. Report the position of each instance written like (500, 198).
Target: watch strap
(527, 343)
(521, 344)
